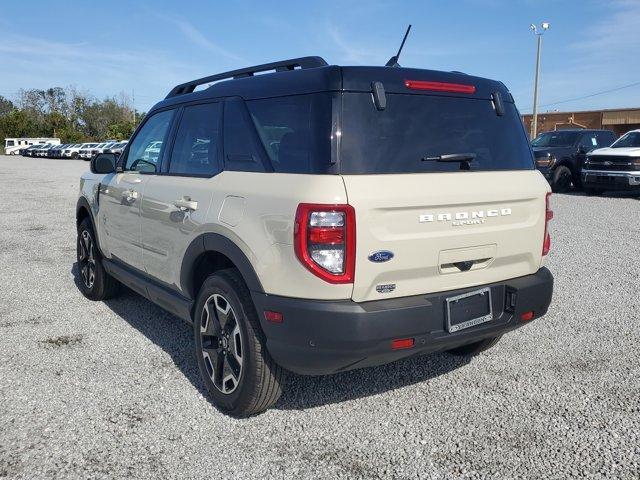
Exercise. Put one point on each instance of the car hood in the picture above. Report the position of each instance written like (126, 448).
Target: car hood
(539, 152)
(618, 152)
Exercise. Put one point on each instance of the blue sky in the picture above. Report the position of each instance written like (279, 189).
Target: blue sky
(105, 48)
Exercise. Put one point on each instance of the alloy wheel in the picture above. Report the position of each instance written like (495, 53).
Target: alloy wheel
(87, 259)
(221, 340)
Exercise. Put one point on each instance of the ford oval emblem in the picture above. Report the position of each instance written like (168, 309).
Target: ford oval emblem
(381, 256)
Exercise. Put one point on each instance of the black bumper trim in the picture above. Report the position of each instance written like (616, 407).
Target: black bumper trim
(320, 337)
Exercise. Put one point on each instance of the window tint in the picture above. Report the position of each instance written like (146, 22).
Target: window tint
(242, 150)
(589, 141)
(555, 139)
(415, 130)
(605, 139)
(195, 151)
(295, 132)
(146, 147)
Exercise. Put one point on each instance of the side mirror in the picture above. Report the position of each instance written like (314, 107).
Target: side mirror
(103, 163)
(582, 149)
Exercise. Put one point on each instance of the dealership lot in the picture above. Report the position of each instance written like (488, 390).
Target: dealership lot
(103, 390)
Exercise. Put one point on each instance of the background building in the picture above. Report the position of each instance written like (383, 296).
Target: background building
(618, 120)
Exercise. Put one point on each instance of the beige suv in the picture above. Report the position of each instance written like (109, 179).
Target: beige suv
(319, 218)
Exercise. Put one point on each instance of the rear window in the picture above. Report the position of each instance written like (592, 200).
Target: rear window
(416, 130)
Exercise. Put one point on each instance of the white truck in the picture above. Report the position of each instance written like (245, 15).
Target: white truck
(12, 146)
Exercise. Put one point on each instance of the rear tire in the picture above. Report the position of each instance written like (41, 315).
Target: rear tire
(240, 375)
(95, 283)
(473, 349)
(561, 180)
(74, 155)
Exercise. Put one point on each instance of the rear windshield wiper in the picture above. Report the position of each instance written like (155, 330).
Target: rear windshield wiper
(452, 157)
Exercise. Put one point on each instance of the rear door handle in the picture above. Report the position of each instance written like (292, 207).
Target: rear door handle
(185, 203)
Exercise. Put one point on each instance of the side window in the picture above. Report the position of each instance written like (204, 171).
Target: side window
(195, 151)
(242, 150)
(147, 146)
(295, 131)
(589, 141)
(605, 139)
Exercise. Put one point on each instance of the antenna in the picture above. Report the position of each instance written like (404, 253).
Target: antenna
(393, 61)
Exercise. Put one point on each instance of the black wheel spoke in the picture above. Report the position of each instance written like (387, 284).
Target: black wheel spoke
(232, 366)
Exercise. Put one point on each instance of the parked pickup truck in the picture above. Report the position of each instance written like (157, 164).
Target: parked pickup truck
(559, 155)
(614, 168)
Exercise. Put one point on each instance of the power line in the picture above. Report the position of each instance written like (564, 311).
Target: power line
(592, 94)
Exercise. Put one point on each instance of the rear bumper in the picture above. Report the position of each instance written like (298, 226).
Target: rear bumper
(611, 180)
(321, 337)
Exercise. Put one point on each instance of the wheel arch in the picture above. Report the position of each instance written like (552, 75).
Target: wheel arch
(209, 253)
(83, 210)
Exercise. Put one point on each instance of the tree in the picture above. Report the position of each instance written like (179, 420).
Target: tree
(6, 106)
(67, 113)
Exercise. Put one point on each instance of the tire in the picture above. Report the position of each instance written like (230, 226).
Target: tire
(473, 349)
(95, 283)
(74, 155)
(562, 179)
(238, 372)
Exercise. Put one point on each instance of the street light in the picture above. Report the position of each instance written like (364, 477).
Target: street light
(538, 33)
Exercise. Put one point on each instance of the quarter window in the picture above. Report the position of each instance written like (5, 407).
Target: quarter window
(147, 146)
(295, 132)
(195, 151)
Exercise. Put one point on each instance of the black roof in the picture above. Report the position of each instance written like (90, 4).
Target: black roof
(313, 74)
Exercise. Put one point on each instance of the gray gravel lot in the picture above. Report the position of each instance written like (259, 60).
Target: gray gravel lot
(105, 390)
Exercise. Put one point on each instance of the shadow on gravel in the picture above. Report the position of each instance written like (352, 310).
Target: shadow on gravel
(303, 392)
(175, 337)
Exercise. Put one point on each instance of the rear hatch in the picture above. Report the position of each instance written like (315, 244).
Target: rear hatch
(443, 185)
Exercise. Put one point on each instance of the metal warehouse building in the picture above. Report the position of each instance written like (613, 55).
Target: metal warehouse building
(619, 120)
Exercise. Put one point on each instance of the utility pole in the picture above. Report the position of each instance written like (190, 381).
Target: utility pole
(133, 101)
(534, 119)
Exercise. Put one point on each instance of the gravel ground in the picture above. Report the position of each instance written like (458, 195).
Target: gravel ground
(105, 390)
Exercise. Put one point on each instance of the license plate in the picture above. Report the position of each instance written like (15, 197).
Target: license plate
(469, 309)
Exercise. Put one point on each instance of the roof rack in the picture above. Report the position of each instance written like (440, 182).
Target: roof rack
(281, 66)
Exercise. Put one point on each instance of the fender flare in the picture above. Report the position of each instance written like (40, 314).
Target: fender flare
(84, 203)
(214, 242)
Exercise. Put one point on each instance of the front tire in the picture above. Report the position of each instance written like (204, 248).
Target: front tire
(474, 349)
(561, 180)
(94, 283)
(240, 375)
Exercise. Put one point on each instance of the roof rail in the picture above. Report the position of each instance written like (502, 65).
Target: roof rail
(281, 66)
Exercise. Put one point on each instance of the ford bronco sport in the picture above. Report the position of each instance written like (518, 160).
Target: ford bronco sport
(322, 218)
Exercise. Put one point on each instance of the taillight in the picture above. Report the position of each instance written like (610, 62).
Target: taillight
(439, 86)
(325, 240)
(546, 244)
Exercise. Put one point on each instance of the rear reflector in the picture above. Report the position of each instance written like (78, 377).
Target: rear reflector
(274, 317)
(402, 343)
(527, 315)
(440, 86)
